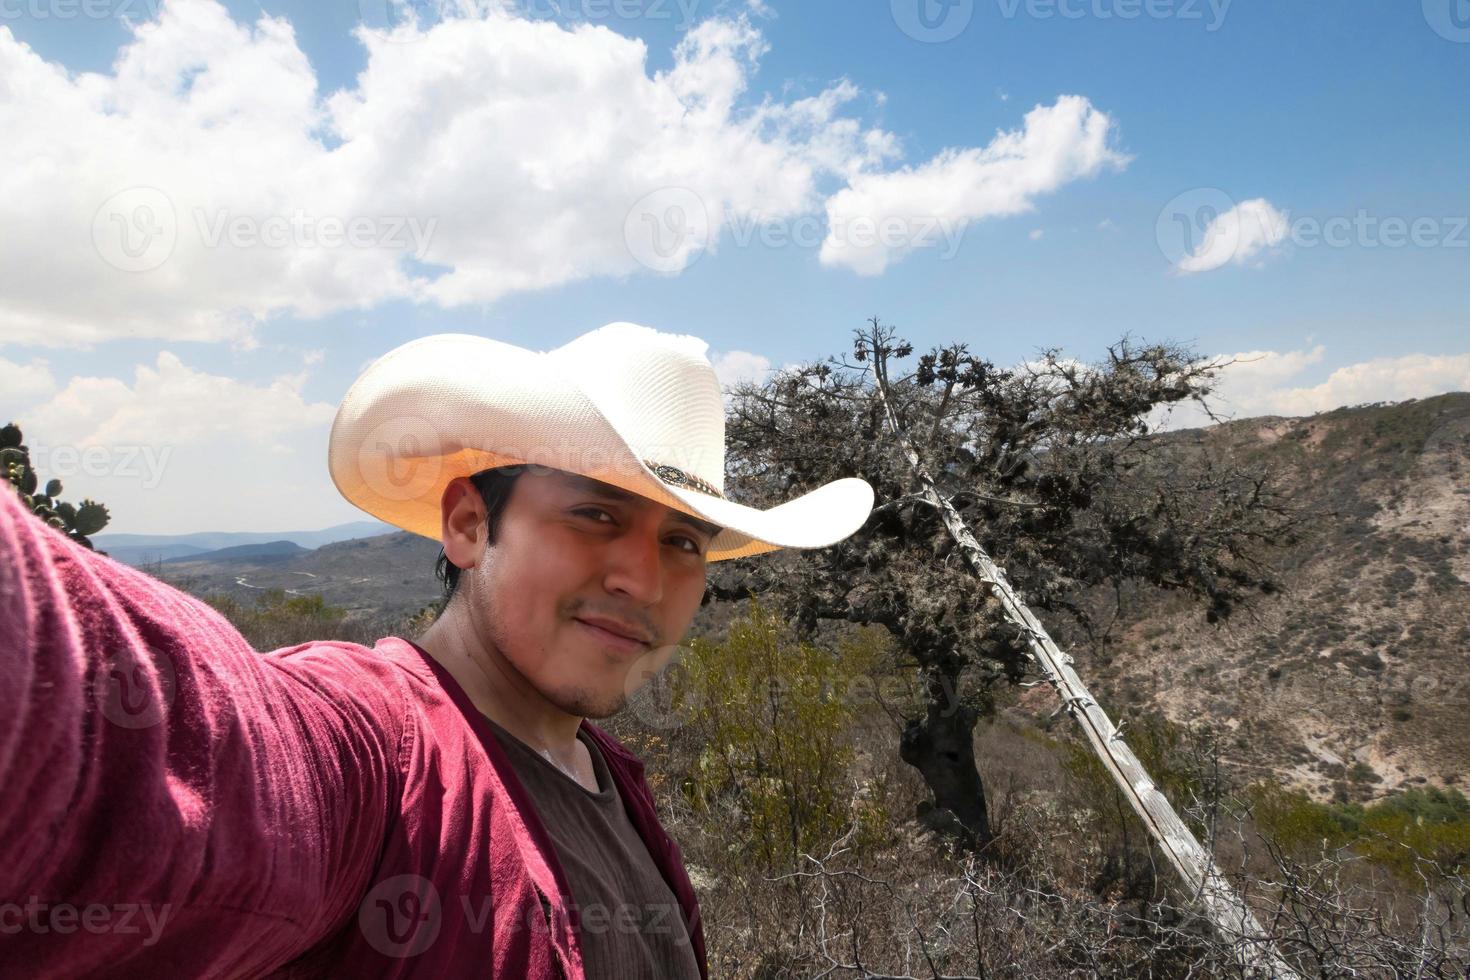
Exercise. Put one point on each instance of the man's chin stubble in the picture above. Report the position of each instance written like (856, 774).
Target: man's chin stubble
(585, 704)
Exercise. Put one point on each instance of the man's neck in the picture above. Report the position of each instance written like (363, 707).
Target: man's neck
(496, 688)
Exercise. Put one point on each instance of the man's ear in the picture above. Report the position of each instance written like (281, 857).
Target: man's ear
(462, 527)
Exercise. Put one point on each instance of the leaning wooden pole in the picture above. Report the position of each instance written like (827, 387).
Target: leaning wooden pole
(1231, 917)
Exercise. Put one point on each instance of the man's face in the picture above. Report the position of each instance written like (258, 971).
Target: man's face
(569, 551)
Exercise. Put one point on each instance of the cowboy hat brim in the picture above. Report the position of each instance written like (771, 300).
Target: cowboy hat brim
(451, 405)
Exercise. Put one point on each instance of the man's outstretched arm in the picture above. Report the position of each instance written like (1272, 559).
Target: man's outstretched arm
(171, 802)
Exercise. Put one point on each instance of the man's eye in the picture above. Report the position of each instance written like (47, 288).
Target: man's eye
(597, 513)
(693, 548)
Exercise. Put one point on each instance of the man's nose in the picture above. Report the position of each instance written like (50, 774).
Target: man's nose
(635, 565)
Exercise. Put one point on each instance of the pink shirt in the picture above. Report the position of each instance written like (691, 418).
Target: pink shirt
(176, 804)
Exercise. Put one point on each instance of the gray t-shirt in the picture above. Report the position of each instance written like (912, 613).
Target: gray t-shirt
(630, 924)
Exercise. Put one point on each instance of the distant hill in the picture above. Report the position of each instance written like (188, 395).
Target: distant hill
(142, 549)
(271, 551)
(386, 575)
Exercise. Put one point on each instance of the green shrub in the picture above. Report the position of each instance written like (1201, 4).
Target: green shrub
(1298, 823)
(277, 620)
(1397, 833)
(772, 714)
(1361, 772)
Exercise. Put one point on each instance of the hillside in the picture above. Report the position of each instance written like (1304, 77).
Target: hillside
(389, 575)
(268, 552)
(1354, 680)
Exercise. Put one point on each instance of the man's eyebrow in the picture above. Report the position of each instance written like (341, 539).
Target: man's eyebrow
(696, 523)
(587, 484)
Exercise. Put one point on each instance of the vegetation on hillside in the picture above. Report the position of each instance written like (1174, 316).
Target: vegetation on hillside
(773, 761)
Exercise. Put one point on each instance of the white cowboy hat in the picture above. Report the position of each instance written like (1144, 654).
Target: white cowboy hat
(624, 404)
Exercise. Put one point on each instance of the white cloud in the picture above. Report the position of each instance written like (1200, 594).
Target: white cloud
(1383, 379)
(1058, 144)
(1238, 235)
(169, 403)
(738, 366)
(205, 184)
(176, 449)
(22, 385)
(1269, 383)
(1038, 234)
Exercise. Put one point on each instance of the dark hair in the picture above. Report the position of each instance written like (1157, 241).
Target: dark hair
(494, 486)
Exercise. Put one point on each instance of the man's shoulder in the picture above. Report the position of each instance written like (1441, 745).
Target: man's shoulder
(392, 669)
(393, 651)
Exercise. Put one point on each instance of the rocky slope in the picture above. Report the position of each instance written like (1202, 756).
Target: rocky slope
(1356, 679)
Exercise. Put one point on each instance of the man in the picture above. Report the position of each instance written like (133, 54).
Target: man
(176, 804)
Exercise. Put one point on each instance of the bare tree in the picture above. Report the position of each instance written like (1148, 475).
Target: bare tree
(1052, 463)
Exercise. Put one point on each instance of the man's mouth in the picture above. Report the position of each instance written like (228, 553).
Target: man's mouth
(611, 636)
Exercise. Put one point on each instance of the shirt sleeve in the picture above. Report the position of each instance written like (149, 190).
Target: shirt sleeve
(173, 803)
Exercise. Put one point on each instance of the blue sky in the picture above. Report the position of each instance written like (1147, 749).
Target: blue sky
(1169, 175)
